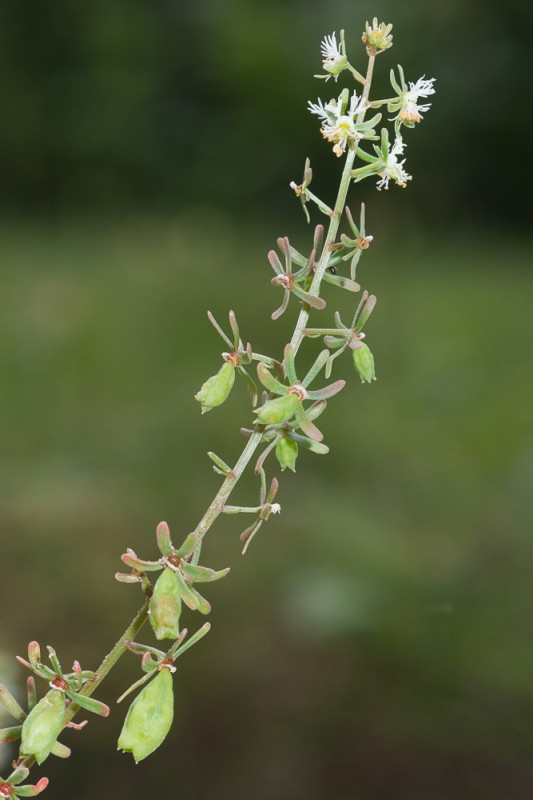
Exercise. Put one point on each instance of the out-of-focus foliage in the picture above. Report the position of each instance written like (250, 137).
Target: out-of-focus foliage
(377, 637)
(376, 642)
(150, 103)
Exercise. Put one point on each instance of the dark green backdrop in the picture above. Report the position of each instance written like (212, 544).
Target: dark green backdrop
(376, 642)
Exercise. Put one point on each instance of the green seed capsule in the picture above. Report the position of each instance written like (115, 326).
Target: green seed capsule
(286, 453)
(364, 363)
(165, 606)
(149, 718)
(281, 409)
(43, 725)
(217, 388)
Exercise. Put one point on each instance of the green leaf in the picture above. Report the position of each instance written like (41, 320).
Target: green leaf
(163, 539)
(202, 574)
(187, 594)
(269, 381)
(10, 734)
(89, 703)
(10, 704)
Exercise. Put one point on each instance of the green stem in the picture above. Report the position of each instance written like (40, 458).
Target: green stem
(111, 658)
(224, 492)
(301, 325)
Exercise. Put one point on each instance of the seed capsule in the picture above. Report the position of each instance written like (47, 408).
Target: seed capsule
(165, 606)
(281, 409)
(43, 725)
(364, 363)
(149, 718)
(217, 388)
(286, 453)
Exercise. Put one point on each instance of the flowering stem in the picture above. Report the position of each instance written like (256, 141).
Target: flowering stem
(217, 505)
(301, 325)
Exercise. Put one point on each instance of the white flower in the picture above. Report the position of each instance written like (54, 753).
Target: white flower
(392, 168)
(410, 110)
(334, 58)
(339, 120)
(275, 508)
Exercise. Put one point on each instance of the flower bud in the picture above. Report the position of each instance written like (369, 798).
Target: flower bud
(217, 388)
(43, 725)
(364, 363)
(281, 409)
(149, 718)
(377, 37)
(286, 453)
(165, 606)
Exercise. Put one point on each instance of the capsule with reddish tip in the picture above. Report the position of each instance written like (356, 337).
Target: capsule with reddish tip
(43, 725)
(149, 717)
(165, 606)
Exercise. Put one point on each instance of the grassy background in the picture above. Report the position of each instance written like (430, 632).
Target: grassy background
(377, 637)
(377, 640)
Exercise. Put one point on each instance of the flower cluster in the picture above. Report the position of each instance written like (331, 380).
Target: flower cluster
(334, 56)
(406, 106)
(341, 123)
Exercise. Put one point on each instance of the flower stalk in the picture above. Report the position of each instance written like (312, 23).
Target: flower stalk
(285, 414)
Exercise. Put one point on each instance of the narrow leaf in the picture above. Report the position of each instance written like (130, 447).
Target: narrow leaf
(288, 361)
(315, 302)
(10, 704)
(61, 750)
(283, 307)
(342, 282)
(31, 690)
(235, 330)
(269, 381)
(220, 463)
(131, 560)
(318, 408)
(10, 734)
(327, 391)
(203, 574)
(206, 627)
(366, 312)
(316, 368)
(315, 447)
(89, 704)
(19, 775)
(188, 546)
(219, 330)
(187, 594)
(163, 539)
(307, 426)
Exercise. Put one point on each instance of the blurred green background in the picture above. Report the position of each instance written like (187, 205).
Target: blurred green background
(377, 639)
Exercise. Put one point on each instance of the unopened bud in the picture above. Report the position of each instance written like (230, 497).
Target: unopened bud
(364, 363)
(286, 453)
(43, 725)
(149, 718)
(377, 37)
(165, 606)
(281, 409)
(217, 388)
